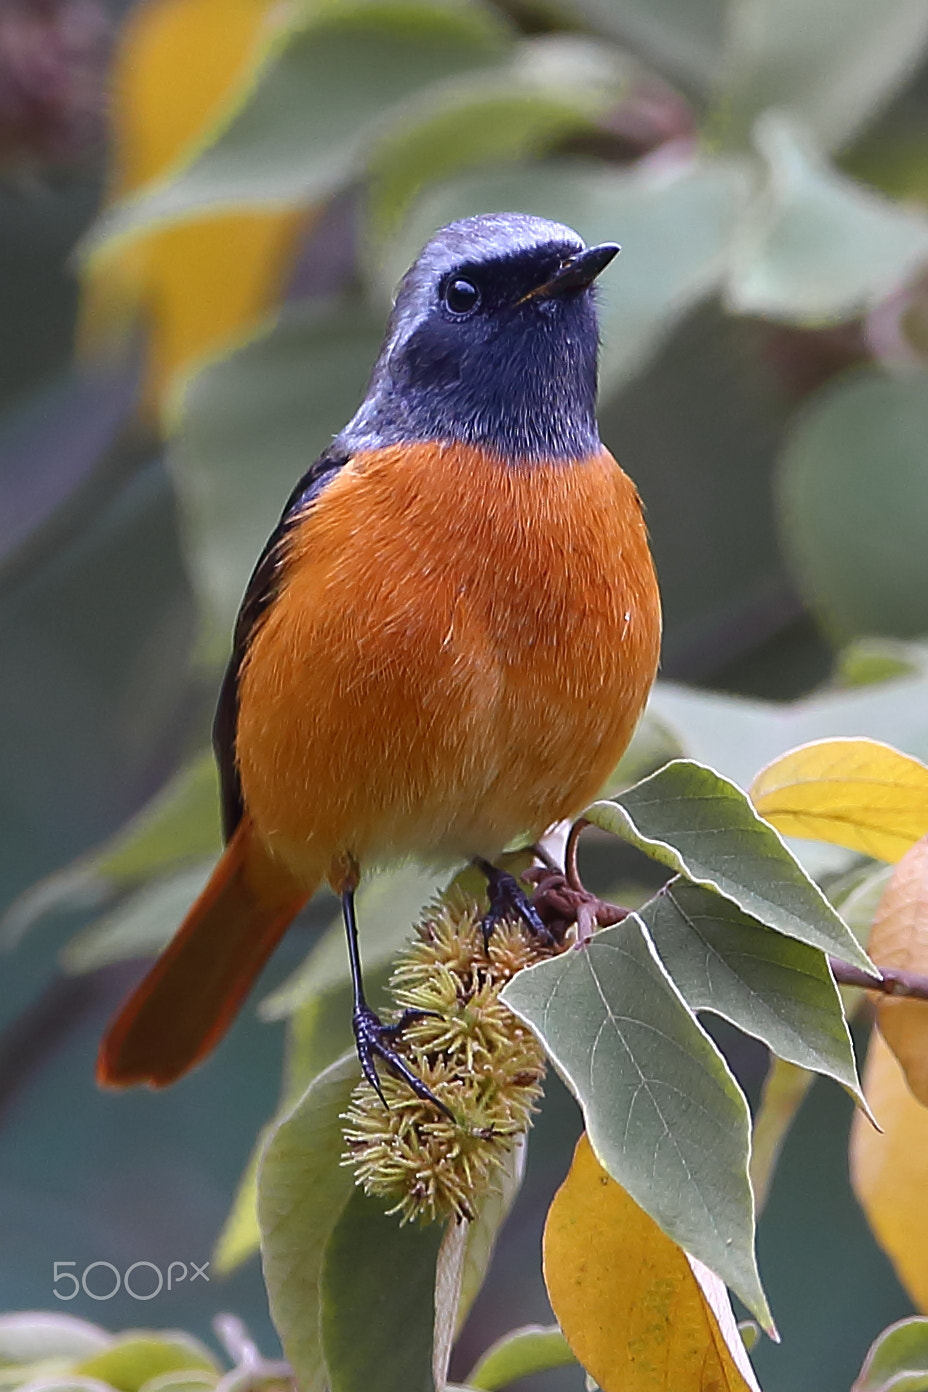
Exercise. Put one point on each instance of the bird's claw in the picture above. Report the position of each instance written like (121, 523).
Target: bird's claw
(509, 900)
(408, 1017)
(373, 1039)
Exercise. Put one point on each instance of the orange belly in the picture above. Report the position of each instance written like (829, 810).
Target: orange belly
(458, 654)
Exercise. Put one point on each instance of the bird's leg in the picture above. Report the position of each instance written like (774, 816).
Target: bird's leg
(508, 900)
(373, 1039)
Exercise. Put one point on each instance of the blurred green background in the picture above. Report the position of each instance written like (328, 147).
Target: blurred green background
(203, 208)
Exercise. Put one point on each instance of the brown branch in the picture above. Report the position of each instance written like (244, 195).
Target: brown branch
(893, 980)
(562, 900)
(571, 869)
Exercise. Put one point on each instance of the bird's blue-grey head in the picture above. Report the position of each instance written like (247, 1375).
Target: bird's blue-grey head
(493, 341)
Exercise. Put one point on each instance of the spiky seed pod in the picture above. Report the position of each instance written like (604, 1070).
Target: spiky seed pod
(473, 1054)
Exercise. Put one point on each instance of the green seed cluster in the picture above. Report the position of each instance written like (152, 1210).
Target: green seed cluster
(472, 1052)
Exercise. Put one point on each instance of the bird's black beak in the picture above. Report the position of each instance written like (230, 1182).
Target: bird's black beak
(577, 272)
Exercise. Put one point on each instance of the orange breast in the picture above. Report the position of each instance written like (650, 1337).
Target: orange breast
(458, 654)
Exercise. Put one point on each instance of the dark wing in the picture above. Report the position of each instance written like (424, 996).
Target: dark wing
(261, 589)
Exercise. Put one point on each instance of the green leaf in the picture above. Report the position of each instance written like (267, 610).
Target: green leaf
(555, 86)
(185, 1381)
(784, 1091)
(318, 1033)
(140, 926)
(898, 1359)
(832, 64)
(464, 1256)
(866, 661)
(136, 1358)
(482, 1233)
(279, 399)
(532, 1349)
(858, 907)
(750, 1333)
(772, 987)
(683, 36)
(449, 1271)
(853, 499)
(378, 1300)
(240, 1237)
(692, 819)
(388, 906)
(178, 825)
(814, 247)
(325, 89)
(673, 218)
(302, 1191)
(64, 1382)
(30, 1335)
(738, 736)
(664, 1114)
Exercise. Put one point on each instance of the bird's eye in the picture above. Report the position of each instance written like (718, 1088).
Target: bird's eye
(461, 296)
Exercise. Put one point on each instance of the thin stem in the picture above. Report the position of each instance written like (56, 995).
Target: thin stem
(571, 869)
(893, 980)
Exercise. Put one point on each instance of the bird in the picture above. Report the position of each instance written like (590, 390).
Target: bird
(445, 645)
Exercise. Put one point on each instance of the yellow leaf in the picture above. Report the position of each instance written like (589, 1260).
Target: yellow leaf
(889, 1172)
(857, 792)
(636, 1312)
(899, 939)
(197, 284)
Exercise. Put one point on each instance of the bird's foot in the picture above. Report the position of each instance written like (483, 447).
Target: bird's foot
(509, 900)
(374, 1039)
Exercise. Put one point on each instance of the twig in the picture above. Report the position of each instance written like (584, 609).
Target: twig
(563, 899)
(571, 869)
(893, 980)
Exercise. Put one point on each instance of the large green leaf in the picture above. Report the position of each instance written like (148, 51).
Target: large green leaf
(664, 1114)
(555, 86)
(814, 246)
(179, 825)
(832, 64)
(318, 1033)
(47, 1380)
(302, 1191)
(464, 1257)
(853, 504)
(252, 424)
(136, 1358)
(770, 986)
(27, 1336)
(858, 906)
(898, 1360)
(673, 218)
(738, 735)
(492, 1212)
(692, 819)
(140, 926)
(325, 88)
(378, 1300)
(683, 36)
(532, 1349)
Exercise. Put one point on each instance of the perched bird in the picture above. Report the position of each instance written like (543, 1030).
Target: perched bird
(445, 644)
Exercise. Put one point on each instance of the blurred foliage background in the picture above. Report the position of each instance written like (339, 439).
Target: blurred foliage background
(204, 205)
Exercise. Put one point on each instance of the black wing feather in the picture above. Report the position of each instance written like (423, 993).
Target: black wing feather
(259, 593)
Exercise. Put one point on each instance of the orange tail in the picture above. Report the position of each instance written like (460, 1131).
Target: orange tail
(185, 1004)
